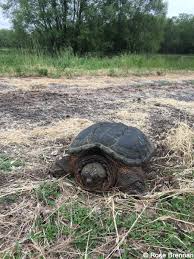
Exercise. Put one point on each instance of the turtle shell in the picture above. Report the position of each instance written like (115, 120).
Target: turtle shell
(121, 142)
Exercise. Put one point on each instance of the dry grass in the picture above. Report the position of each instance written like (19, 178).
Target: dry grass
(136, 119)
(180, 141)
(183, 105)
(95, 82)
(62, 129)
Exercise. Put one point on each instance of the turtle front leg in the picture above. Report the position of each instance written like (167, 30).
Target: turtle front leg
(61, 167)
(131, 180)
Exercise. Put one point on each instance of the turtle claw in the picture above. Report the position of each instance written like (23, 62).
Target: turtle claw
(60, 168)
(132, 180)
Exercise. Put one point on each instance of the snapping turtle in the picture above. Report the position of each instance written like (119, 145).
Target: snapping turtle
(107, 155)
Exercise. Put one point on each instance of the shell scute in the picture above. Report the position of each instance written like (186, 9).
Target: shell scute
(127, 144)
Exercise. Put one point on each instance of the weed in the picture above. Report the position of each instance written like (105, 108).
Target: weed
(182, 205)
(8, 164)
(8, 200)
(112, 72)
(17, 253)
(48, 192)
(18, 71)
(42, 71)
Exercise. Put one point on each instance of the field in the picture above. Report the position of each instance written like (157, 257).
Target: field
(25, 63)
(44, 217)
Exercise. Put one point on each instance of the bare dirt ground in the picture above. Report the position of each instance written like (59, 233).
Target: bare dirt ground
(40, 116)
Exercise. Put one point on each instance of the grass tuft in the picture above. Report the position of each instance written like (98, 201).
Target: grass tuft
(180, 141)
(48, 193)
(42, 71)
(8, 164)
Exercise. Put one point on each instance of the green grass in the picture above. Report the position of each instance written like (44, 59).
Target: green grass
(8, 200)
(48, 193)
(86, 226)
(164, 227)
(8, 164)
(23, 63)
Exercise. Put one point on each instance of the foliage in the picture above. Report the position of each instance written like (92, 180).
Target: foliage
(101, 27)
(88, 26)
(179, 35)
(7, 38)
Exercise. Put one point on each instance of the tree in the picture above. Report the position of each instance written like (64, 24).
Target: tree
(7, 38)
(90, 25)
(179, 35)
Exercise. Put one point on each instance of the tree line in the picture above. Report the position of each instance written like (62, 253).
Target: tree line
(97, 26)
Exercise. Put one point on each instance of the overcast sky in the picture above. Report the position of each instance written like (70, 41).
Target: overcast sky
(180, 6)
(174, 8)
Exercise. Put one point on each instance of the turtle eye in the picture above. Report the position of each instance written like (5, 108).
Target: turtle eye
(84, 174)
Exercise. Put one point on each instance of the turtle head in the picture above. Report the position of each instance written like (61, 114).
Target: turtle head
(93, 175)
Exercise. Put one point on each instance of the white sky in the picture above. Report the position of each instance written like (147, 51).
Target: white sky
(174, 8)
(180, 6)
